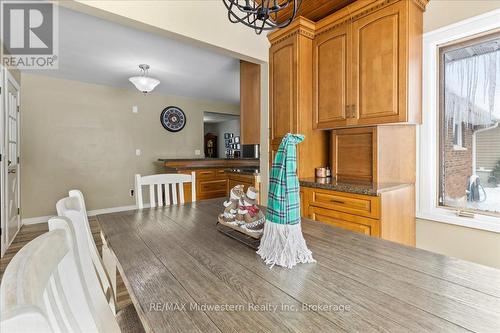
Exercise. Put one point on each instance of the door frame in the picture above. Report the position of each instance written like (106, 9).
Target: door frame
(9, 78)
(3, 246)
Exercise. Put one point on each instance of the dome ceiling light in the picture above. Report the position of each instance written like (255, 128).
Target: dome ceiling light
(144, 83)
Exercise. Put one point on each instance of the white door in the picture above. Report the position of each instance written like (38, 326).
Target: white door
(11, 141)
(2, 167)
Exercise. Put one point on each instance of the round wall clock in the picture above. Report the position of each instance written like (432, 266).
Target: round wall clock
(173, 119)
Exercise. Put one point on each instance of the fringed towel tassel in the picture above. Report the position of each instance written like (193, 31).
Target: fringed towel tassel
(284, 245)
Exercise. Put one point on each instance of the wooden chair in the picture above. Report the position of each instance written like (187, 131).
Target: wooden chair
(99, 274)
(73, 207)
(44, 289)
(164, 183)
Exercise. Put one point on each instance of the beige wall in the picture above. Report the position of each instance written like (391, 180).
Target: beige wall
(482, 247)
(440, 13)
(79, 135)
(475, 245)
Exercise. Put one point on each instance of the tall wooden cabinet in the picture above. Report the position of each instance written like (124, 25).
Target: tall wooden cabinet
(367, 65)
(250, 103)
(290, 80)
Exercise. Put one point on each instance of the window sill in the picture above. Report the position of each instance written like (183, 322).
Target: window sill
(480, 222)
(459, 148)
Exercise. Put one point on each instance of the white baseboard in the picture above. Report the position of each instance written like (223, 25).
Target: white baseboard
(44, 219)
(35, 220)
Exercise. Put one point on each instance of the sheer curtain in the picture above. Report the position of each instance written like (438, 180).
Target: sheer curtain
(472, 90)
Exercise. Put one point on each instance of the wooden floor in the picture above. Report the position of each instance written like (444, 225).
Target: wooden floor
(30, 232)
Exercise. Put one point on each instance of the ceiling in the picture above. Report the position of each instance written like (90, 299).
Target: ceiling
(97, 51)
(315, 10)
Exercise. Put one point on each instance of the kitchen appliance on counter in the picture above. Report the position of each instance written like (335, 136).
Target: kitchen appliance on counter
(323, 172)
(250, 151)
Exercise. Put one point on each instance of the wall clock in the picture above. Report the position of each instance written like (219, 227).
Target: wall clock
(173, 119)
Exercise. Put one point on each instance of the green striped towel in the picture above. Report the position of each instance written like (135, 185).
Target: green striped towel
(282, 242)
(283, 204)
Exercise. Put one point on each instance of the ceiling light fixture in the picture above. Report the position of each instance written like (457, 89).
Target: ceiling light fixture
(261, 14)
(144, 83)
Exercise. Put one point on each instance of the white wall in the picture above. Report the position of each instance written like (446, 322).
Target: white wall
(202, 21)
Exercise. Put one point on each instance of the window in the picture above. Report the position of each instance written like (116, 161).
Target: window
(470, 108)
(458, 139)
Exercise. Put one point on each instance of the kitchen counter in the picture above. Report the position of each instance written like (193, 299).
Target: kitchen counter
(206, 159)
(351, 187)
(245, 171)
(176, 165)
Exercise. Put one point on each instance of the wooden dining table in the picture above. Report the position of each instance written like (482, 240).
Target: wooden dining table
(185, 276)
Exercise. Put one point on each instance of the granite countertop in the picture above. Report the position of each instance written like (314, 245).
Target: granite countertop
(244, 171)
(206, 159)
(176, 165)
(365, 188)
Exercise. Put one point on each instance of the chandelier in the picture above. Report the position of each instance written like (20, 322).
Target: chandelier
(144, 83)
(261, 14)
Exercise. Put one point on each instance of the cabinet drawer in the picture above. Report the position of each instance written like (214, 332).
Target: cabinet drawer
(210, 186)
(242, 178)
(363, 225)
(362, 205)
(220, 174)
(205, 174)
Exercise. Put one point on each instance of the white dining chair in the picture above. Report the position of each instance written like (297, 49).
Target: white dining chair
(44, 290)
(73, 207)
(100, 274)
(165, 184)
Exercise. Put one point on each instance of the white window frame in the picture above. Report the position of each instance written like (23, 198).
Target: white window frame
(427, 134)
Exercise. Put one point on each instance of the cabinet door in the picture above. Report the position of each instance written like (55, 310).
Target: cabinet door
(331, 56)
(208, 189)
(379, 66)
(282, 58)
(323, 215)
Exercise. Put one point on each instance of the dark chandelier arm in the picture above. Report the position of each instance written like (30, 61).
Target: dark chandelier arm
(233, 18)
(262, 15)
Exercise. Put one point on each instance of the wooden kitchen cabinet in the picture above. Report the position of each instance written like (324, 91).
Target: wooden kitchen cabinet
(290, 83)
(250, 103)
(378, 154)
(389, 215)
(331, 58)
(369, 227)
(245, 180)
(379, 66)
(210, 183)
(367, 65)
